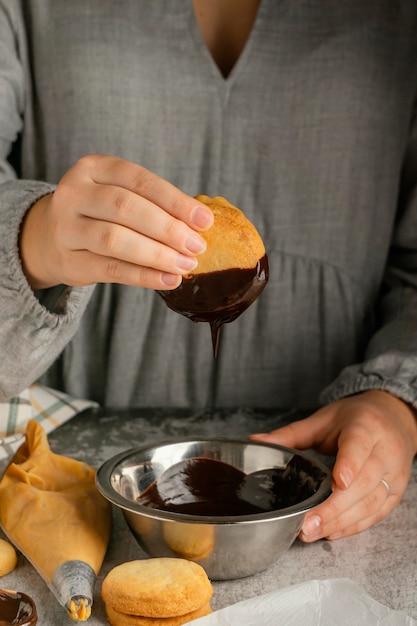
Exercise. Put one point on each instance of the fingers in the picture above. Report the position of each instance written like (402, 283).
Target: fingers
(119, 206)
(374, 438)
(358, 447)
(113, 221)
(124, 244)
(311, 432)
(376, 447)
(359, 499)
(108, 269)
(108, 170)
(346, 512)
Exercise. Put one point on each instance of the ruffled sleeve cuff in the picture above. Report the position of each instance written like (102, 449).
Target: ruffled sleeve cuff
(34, 326)
(394, 372)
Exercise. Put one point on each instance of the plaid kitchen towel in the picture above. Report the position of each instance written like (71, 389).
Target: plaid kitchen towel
(45, 405)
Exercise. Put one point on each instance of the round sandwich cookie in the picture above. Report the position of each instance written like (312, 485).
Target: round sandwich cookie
(157, 587)
(8, 557)
(120, 619)
(233, 242)
(230, 275)
(189, 541)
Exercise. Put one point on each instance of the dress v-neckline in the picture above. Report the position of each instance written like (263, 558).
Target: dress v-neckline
(213, 68)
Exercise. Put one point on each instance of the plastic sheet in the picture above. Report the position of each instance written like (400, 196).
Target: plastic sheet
(314, 603)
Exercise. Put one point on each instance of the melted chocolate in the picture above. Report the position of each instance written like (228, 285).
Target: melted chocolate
(17, 609)
(203, 486)
(218, 297)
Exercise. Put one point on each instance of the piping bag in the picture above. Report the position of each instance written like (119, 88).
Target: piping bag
(51, 510)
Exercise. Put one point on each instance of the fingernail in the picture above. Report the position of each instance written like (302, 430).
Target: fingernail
(311, 526)
(346, 477)
(186, 262)
(169, 279)
(195, 244)
(201, 217)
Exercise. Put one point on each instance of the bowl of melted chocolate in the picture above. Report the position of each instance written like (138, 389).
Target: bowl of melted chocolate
(233, 506)
(17, 609)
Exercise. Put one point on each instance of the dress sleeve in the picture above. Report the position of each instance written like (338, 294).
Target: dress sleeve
(390, 361)
(34, 327)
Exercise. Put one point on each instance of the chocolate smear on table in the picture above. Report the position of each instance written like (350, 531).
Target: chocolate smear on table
(218, 297)
(205, 486)
(17, 609)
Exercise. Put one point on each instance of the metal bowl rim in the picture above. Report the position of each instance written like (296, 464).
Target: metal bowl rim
(104, 486)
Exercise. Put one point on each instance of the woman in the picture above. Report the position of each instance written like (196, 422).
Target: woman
(301, 114)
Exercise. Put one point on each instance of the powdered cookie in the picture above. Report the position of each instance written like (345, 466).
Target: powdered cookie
(158, 587)
(120, 619)
(8, 557)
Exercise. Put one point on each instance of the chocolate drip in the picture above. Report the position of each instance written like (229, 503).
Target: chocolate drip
(17, 608)
(218, 297)
(204, 486)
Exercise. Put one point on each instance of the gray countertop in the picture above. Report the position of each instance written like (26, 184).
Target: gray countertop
(382, 560)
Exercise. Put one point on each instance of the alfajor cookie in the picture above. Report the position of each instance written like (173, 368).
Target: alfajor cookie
(233, 242)
(8, 557)
(230, 275)
(157, 587)
(120, 619)
(189, 541)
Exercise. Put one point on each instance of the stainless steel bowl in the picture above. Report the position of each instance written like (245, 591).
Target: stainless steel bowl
(227, 547)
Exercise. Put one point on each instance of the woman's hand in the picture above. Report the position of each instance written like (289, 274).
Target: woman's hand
(374, 438)
(110, 220)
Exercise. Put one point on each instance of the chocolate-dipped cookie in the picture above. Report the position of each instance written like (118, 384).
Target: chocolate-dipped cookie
(231, 273)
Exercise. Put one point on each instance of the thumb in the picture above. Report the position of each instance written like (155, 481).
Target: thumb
(302, 434)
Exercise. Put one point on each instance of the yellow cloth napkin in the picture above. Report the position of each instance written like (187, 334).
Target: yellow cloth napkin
(49, 407)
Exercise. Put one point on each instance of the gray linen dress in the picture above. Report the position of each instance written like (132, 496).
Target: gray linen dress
(311, 135)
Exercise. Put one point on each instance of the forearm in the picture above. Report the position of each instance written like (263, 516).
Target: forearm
(390, 362)
(34, 327)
